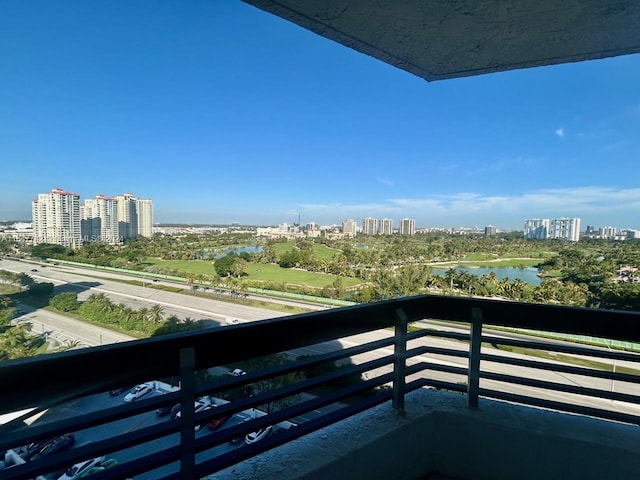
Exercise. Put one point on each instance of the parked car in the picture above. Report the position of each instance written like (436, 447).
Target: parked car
(138, 392)
(80, 468)
(54, 445)
(258, 435)
(175, 410)
(199, 405)
(33, 448)
(216, 423)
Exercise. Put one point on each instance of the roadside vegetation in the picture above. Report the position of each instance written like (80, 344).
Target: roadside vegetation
(98, 309)
(16, 341)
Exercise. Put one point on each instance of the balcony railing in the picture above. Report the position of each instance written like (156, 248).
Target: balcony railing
(384, 362)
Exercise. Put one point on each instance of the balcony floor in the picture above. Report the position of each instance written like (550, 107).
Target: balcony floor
(440, 438)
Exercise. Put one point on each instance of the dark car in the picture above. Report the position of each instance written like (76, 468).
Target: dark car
(31, 449)
(54, 445)
(175, 410)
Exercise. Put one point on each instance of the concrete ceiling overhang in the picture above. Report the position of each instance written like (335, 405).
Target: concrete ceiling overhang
(440, 39)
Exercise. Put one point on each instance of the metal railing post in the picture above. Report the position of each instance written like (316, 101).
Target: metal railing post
(187, 394)
(473, 380)
(399, 362)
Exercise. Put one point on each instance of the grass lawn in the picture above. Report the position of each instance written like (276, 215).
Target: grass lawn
(186, 266)
(259, 272)
(320, 251)
(274, 273)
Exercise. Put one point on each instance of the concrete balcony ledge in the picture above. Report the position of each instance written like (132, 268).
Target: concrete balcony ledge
(440, 437)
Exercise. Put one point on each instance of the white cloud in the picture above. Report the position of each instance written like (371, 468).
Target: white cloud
(386, 181)
(595, 205)
(560, 132)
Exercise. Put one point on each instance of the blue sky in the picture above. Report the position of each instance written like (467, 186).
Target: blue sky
(220, 112)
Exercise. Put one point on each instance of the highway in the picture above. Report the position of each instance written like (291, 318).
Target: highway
(215, 311)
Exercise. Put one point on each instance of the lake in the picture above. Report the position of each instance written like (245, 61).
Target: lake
(528, 275)
(239, 250)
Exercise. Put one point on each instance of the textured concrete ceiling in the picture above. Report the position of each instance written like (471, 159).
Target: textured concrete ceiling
(439, 39)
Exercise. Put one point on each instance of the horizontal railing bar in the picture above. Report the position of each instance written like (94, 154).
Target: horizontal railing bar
(554, 345)
(557, 367)
(561, 406)
(446, 368)
(561, 387)
(448, 352)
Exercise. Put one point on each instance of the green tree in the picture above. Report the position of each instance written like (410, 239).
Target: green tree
(65, 302)
(156, 314)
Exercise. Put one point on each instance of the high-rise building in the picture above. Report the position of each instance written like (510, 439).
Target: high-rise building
(565, 228)
(536, 229)
(608, 232)
(407, 226)
(100, 220)
(490, 231)
(385, 226)
(349, 227)
(56, 218)
(144, 208)
(135, 216)
(369, 226)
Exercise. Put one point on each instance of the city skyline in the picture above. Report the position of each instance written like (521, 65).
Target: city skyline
(222, 113)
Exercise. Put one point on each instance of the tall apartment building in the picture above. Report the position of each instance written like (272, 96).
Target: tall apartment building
(565, 228)
(145, 217)
(56, 218)
(407, 226)
(349, 227)
(100, 220)
(536, 229)
(490, 231)
(369, 226)
(135, 216)
(608, 232)
(385, 226)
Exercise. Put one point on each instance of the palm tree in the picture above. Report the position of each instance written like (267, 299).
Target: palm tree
(156, 314)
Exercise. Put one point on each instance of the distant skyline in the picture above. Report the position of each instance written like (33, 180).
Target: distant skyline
(222, 113)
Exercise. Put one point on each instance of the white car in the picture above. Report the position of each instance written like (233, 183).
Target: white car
(254, 437)
(237, 372)
(231, 321)
(138, 391)
(79, 468)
